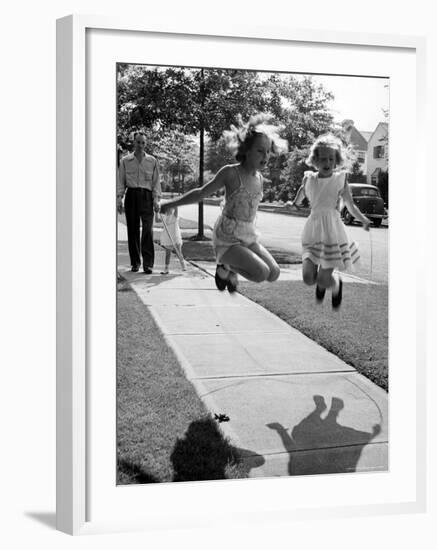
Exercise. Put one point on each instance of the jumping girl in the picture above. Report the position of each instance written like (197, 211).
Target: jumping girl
(325, 245)
(235, 238)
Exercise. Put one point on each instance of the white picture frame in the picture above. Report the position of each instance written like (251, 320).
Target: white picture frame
(75, 347)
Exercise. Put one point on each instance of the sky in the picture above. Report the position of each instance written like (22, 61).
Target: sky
(360, 99)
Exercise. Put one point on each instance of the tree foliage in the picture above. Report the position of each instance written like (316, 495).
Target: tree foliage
(175, 106)
(356, 174)
(187, 99)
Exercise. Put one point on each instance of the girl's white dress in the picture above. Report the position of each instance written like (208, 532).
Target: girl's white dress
(171, 220)
(324, 238)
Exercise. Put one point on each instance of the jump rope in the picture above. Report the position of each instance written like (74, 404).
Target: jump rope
(175, 248)
(181, 261)
(371, 256)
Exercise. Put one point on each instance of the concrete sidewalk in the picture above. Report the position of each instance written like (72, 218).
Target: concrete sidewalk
(294, 408)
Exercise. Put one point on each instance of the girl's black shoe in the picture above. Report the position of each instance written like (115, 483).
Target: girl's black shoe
(320, 293)
(220, 283)
(336, 298)
(232, 282)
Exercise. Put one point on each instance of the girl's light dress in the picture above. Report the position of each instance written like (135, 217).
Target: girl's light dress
(236, 223)
(324, 238)
(171, 221)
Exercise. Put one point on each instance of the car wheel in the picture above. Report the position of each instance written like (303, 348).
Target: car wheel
(347, 217)
(377, 222)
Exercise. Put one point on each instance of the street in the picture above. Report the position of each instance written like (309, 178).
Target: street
(282, 231)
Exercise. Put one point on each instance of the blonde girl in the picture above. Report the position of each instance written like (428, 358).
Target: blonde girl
(171, 238)
(325, 244)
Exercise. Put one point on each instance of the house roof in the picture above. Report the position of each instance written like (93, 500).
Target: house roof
(366, 135)
(381, 124)
(357, 139)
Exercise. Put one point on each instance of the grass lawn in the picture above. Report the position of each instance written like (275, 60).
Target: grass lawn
(204, 251)
(357, 333)
(164, 432)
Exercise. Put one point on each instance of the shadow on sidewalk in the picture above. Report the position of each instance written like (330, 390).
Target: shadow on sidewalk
(157, 277)
(205, 454)
(149, 280)
(321, 445)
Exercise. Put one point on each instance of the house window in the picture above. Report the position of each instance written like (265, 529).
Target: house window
(361, 158)
(378, 152)
(374, 178)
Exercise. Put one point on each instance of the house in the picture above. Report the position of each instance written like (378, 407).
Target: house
(371, 149)
(359, 142)
(377, 153)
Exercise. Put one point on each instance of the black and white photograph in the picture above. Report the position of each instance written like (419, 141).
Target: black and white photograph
(220, 334)
(252, 274)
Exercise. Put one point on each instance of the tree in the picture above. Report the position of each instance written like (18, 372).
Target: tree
(292, 173)
(204, 102)
(356, 174)
(195, 101)
(178, 155)
(217, 155)
(306, 116)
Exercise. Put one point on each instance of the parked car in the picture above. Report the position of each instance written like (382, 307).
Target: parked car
(369, 201)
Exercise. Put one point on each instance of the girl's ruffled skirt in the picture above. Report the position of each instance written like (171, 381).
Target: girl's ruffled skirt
(325, 242)
(228, 232)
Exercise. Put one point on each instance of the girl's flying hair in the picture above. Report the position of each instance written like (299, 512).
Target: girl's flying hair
(239, 139)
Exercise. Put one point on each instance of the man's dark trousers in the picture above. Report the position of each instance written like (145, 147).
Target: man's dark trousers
(138, 205)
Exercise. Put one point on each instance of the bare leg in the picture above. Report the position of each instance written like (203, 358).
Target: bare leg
(327, 279)
(167, 260)
(268, 259)
(181, 258)
(247, 263)
(309, 272)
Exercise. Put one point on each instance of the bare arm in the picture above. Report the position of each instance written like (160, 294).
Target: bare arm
(121, 180)
(298, 197)
(197, 195)
(353, 208)
(156, 182)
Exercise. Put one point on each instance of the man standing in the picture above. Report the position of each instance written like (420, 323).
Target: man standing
(139, 179)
